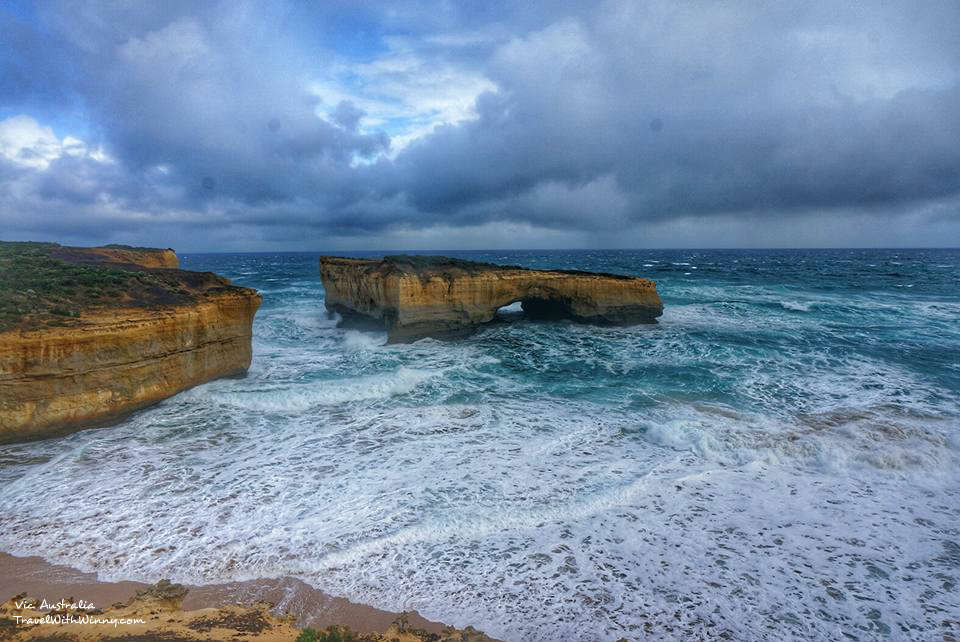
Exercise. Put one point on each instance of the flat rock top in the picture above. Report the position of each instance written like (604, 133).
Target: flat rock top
(49, 285)
(445, 266)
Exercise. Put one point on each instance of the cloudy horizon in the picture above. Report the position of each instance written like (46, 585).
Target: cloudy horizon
(435, 125)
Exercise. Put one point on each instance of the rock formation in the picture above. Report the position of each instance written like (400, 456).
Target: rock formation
(425, 296)
(159, 332)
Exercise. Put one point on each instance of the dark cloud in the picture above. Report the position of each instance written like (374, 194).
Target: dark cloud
(30, 78)
(620, 117)
(347, 115)
(754, 120)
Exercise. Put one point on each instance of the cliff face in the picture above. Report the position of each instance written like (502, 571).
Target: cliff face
(172, 330)
(415, 297)
(58, 380)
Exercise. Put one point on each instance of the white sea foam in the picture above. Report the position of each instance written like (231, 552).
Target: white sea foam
(796, 306)
(479, 515)
(357, 341)
(298, 398)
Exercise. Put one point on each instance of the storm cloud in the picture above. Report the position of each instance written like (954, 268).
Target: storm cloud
(254, 126)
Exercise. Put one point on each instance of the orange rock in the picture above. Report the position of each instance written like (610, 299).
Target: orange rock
(416, 297)
(113, 360)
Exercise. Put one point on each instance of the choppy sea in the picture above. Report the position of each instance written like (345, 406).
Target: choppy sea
(778, 458)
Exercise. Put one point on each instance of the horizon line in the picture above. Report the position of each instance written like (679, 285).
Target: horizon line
(560, 249)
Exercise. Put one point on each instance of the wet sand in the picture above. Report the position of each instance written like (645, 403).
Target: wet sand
(307, 606)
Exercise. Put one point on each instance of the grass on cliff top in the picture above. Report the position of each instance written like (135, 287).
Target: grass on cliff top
(423, 263)
(121, 246)
(37, 289)
(427, 262)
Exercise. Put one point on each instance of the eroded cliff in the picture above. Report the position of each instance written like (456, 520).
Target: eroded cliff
(94, 343)
(417, 296)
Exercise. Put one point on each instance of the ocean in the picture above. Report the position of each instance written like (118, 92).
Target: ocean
(778, 458)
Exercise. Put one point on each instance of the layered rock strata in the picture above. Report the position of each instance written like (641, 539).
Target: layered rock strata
(179, 329)
(423, 296)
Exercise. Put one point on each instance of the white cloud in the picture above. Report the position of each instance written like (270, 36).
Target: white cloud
(404, 93)
(27, 143)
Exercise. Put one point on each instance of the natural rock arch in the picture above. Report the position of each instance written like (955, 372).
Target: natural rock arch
(415, 296)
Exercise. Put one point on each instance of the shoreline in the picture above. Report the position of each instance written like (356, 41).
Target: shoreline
(287, 599)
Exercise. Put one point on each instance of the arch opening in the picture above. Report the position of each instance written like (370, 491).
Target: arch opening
(513, 308)
(539, 308)
(546, 309)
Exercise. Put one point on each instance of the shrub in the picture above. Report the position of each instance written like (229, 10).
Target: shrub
(330, 634)
(307, 635)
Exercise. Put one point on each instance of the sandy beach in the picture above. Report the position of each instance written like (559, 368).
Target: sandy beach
(283, 607)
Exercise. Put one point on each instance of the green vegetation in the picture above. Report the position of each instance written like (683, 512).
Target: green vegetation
(330, 634)
(430, 263)
(426, 261)
(37, 288)
(120, 246)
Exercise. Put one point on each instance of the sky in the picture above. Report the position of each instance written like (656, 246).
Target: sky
(270, 126)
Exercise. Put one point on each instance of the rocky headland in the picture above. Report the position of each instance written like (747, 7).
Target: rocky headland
(412, 297)
(88, 335)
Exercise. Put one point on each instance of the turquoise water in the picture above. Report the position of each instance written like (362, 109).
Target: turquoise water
(776, 459)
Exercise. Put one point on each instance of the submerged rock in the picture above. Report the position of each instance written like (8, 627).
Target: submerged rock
(412, 297)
